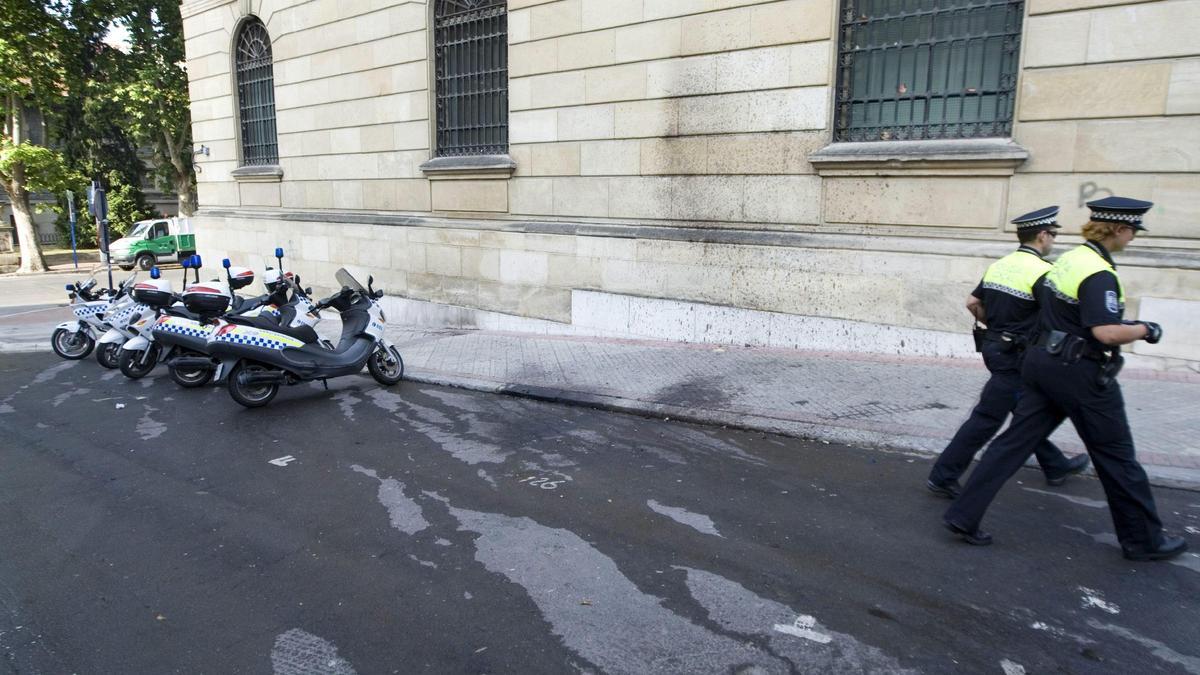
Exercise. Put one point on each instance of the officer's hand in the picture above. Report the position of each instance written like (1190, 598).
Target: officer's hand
(1154, 332)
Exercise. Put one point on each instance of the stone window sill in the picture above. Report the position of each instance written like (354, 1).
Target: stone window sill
(975, 156)
(472, 167)
(268, 173)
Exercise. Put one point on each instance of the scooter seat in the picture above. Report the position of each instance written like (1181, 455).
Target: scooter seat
(181, 312)
(303, 333)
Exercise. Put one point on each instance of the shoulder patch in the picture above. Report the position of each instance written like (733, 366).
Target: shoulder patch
(1110, 302)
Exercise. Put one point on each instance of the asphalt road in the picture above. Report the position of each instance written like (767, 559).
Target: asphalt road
(149, 529)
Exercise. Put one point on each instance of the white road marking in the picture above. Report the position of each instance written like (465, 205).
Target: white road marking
(1082, 501)
(1094, 598)
(282, 461)
(297, 652)
(802, 627)
(1012, 668)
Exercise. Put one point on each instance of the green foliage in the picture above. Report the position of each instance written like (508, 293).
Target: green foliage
(43, 169)
(126, 206)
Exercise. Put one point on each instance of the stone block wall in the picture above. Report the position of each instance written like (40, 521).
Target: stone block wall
(663, 149)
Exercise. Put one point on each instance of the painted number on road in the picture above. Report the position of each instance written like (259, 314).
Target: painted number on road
(543, 483)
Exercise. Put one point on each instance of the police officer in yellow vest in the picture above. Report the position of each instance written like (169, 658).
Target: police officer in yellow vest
(1071, 372)
(1004, 302)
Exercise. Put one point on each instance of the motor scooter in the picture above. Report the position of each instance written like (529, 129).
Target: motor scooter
(75, 339)
(187, 330)
(259, 359)
(154, 334)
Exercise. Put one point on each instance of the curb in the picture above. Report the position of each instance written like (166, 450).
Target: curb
(1160, 476)
(24, 347)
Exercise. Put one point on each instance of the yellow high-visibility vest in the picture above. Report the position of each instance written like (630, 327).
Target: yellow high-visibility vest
(1015, 274)
(1072, 267)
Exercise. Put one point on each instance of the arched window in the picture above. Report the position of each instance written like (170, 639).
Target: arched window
(256, 94)
(471, 55)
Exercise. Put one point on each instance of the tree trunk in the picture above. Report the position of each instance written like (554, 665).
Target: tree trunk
(187, 194)
(31, 248)
(185, 186)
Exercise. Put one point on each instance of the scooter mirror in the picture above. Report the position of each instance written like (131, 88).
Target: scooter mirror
(225, 263)
(308, 291)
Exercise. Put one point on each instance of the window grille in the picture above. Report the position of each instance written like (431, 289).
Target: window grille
(927, 69)
(471, 66)
(256, 95)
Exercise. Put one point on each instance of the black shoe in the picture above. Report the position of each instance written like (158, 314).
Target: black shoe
(1074, 465)
(974, 538)
(949, 490)
(1168, 547)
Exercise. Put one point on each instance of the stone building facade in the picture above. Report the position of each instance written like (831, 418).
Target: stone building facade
(691, 169)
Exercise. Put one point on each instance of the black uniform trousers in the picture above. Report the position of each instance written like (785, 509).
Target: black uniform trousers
(1000, 396)
(1053, 391)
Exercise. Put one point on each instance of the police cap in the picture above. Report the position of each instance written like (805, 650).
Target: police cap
(1037, 220)
(1120, 210)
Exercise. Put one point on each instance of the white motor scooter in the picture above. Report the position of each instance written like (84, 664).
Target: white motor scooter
(92, 309)
(121, 321)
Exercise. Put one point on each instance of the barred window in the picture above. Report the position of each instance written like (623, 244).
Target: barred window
(927, 69)
(256, 95)
(471, 66)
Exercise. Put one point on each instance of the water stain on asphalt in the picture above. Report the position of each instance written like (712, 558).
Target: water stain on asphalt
(597, 612)
(699, 522)
(404, 512)
(800, 638)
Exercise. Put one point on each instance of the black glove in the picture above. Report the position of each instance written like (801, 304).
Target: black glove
(1154, 332)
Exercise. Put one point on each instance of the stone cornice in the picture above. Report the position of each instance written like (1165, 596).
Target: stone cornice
(975, 156)
(190, 9)
(967, 244)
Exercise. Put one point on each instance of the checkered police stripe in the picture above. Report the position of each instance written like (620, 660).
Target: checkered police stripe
(189, 329)
(87, 311)
(257, 341)
(1115, 217)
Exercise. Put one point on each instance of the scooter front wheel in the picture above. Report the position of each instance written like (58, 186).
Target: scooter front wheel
(71, 345)
(108, 354)
(136, 364)
(191, 377)
(251, 395)
(386, 366)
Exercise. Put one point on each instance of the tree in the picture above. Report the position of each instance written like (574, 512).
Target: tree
(31, 75)
(155, 93)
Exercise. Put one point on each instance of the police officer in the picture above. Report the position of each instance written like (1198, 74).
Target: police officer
(1071, 372)
(1004, 301)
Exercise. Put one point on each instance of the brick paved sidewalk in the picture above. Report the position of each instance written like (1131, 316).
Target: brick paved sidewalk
(912, 405)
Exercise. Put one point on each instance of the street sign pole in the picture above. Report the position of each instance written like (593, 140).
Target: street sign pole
(71, 214)
(98, 205)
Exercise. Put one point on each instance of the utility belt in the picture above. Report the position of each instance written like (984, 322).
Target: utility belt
(1011, 342)
(1071, 348)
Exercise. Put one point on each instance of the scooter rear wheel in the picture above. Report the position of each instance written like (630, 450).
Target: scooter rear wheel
(386, 366)
(134, 366)
(251, 395)
(108, 354)
(191, 377)
(72, 345)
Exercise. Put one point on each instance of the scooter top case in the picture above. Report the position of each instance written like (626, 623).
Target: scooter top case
(209, 299)
(154, 292)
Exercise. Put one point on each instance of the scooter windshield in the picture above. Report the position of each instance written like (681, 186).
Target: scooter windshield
(348, 281)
